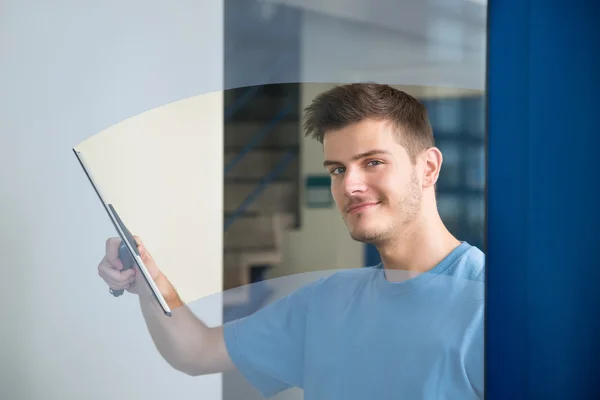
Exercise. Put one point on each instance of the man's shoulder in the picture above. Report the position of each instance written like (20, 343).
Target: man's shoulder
(471, 265)
(468, 266)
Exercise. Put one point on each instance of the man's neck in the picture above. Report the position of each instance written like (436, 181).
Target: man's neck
(419, 248)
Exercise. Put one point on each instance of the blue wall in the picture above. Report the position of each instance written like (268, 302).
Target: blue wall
(543, 272)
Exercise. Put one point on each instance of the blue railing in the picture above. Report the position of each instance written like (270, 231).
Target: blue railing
(260, 135)
(252, 143)
(239, 102)
(262, 185)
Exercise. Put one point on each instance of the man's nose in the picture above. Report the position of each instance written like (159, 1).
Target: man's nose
(353, 183)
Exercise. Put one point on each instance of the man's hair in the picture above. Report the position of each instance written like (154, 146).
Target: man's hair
(344, 105)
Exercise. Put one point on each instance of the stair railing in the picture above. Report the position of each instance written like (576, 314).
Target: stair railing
(260, 135)
(256, 139)
(262, 185)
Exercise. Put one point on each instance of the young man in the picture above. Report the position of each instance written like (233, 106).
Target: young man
(410, 328)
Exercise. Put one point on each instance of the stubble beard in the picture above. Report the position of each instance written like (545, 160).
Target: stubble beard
(406, 212)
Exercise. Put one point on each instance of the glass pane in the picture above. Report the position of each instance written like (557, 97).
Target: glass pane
(450, 209)
(475, 167)
(447, 119)
(450, 174)
(434, 51)
(475, 117)
(475, 220)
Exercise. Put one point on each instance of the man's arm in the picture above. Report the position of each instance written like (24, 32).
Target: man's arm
(183, 340)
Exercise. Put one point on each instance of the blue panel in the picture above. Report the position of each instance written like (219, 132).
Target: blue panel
(543, 302)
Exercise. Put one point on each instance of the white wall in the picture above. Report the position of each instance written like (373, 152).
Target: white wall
(69, 70)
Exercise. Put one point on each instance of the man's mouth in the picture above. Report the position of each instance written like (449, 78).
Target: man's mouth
(360, 207)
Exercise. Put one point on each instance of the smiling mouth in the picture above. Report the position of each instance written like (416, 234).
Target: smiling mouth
(361, 207)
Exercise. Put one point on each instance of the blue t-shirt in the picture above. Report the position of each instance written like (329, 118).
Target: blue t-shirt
(358, 335)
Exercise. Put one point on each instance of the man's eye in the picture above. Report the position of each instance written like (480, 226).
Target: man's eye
(376, 162)
(337, 170)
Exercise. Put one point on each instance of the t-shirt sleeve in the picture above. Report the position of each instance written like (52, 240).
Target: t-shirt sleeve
(267, 347)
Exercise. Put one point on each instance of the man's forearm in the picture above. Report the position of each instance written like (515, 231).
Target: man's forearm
(182, 339)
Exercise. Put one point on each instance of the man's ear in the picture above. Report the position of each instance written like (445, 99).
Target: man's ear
(433, 163)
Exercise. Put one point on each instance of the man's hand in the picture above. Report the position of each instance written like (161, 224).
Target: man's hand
(111, 271)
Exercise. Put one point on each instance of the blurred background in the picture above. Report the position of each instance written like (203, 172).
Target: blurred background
(279, 217)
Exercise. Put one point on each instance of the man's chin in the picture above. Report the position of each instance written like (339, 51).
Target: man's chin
(365, 236)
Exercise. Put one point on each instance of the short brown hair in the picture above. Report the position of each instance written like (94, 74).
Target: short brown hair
(347, 104)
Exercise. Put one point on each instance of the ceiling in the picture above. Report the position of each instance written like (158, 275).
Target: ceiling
(436, 43)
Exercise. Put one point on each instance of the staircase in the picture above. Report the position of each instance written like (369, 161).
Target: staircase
(261, 188)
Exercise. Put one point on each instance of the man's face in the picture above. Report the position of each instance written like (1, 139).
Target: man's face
(374, 183)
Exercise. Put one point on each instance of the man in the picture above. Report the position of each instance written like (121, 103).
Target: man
(410, 328)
